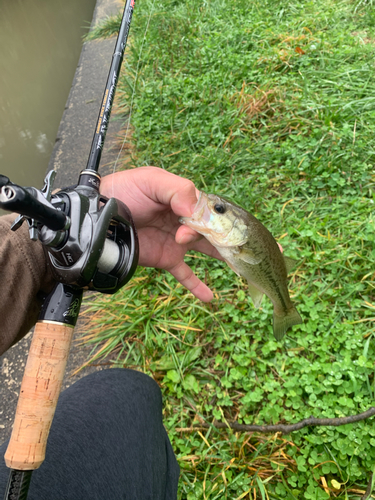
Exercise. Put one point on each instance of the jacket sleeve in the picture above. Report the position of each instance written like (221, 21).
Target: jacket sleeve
(25, 278)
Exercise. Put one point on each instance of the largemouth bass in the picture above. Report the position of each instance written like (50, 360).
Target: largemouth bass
(251, 251)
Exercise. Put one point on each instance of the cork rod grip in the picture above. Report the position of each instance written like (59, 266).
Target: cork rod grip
(39, 393)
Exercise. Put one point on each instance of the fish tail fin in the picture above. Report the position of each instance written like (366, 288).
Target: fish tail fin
(282, 322)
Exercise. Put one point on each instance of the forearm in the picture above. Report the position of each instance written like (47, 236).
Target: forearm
(24, 278)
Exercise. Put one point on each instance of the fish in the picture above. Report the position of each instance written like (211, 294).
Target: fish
(251, 251)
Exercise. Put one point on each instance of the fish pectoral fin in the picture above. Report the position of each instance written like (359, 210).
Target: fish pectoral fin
(232, 267)
(249, 257)
(289, 263)
(255, 294)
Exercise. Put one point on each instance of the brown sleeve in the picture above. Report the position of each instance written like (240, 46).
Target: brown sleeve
(24, 277)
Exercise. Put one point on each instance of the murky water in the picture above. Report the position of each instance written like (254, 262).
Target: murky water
(40, 44)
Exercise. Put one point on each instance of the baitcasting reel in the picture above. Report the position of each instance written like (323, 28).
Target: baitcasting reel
(90, 240)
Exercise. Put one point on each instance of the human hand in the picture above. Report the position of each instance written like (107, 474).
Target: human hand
(156, 199)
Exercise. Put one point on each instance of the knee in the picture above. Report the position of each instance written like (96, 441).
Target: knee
(106, 387)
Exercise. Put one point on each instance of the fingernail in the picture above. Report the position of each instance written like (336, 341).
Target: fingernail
(185, 238)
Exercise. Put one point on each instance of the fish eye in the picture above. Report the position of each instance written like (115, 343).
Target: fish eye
(220, 208)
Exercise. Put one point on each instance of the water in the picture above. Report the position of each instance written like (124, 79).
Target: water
(40, 44)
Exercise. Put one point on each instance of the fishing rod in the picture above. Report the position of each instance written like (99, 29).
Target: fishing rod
(91, 243)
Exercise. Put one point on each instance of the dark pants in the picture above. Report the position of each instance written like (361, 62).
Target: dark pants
(107, 442)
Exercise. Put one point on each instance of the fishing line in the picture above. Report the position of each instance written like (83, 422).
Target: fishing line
(133, 93)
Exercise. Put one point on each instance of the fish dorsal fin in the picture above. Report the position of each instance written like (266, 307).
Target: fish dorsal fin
(255, 294)
(249, 256)
(289, 263)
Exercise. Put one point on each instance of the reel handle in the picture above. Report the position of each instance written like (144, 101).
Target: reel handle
(31, 203)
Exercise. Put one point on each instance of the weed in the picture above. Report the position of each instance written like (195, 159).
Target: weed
(273, 105)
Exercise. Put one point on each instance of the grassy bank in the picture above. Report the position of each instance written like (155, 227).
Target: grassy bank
(273, 105)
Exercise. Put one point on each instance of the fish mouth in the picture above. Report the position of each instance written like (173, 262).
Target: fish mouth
(201, 214)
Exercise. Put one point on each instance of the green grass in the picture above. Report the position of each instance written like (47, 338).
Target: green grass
(271, 104)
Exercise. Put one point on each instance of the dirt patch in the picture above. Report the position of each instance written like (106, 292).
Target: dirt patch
(363, 37)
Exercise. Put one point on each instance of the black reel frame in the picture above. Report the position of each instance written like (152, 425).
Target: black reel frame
(90, 240)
